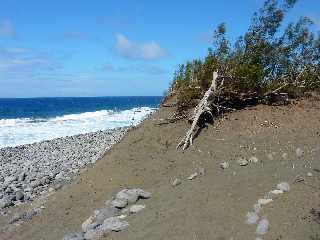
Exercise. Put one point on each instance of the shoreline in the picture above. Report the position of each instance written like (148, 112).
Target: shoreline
(16, 132)
(60, 138)
(30, 171)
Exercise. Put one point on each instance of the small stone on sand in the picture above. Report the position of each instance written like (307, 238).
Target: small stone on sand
(86, 224)
(132, 195)
(263, 227)
(284, 156)
(242, 162)
(276, 191)
(193, 176)
(284, 186)
(143, 194)
(257, 208)
(136, 208)
(119, 202)
(176, 182)
(224, 165)
(299, 152)
(5, 202)
(114, 224)
(264, 201)
(19, 195)
(252, 218)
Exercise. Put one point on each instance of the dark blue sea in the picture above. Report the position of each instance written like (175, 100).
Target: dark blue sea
(28, 120)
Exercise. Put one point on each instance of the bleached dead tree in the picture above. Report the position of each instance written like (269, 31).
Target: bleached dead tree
(201, 108)
(211, 98)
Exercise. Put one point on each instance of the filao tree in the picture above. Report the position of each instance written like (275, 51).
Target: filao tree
(262, 59)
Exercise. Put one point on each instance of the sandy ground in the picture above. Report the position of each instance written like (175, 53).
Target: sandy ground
(213, 206)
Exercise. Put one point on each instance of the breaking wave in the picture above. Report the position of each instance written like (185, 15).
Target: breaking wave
(14, 132)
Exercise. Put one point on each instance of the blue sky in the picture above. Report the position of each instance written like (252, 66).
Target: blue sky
(111, 48)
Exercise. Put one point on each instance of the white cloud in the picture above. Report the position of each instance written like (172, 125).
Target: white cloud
(142, 69)
(22, 60)
(7, 29)
(143, 51)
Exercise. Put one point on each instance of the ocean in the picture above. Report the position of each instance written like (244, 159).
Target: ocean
(29, 120)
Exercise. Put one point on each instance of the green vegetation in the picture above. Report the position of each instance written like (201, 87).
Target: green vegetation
(261, 60)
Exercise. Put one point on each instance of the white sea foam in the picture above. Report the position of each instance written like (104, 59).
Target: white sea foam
(14, 132)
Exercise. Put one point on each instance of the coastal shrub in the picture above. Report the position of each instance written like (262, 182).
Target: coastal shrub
(263, 59)
(188, 96)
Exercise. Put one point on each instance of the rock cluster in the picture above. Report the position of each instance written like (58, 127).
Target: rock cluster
(110, 218)
(27, 171)
(253, 216)
(241, 161)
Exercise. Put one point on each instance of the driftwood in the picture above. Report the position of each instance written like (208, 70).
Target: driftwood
(214, 98)
(201, 108)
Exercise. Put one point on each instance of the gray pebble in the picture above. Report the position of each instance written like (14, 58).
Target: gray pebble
(59, 176)
(19, 195)
(284, 186)
(10, 179)
(88, 224)
(142, 194)
(114, 224)
(36, 183)
(12, 197)
(129, 195)
(106, 212)
(22, 177)
(176, 182)
(5, 202)
(192, 176)
(284, 156)
(242, 161)
(119, 202)
(299, 152)
(263, 227)
(136, 208)
(224, 165)
(253, 159)
(252, 217)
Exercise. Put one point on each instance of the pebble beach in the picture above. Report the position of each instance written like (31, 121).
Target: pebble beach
(29, 171)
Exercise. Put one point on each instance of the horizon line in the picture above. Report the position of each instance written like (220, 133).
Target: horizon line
(83, 96)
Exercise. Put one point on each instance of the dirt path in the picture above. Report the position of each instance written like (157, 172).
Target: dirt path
(213, 206)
